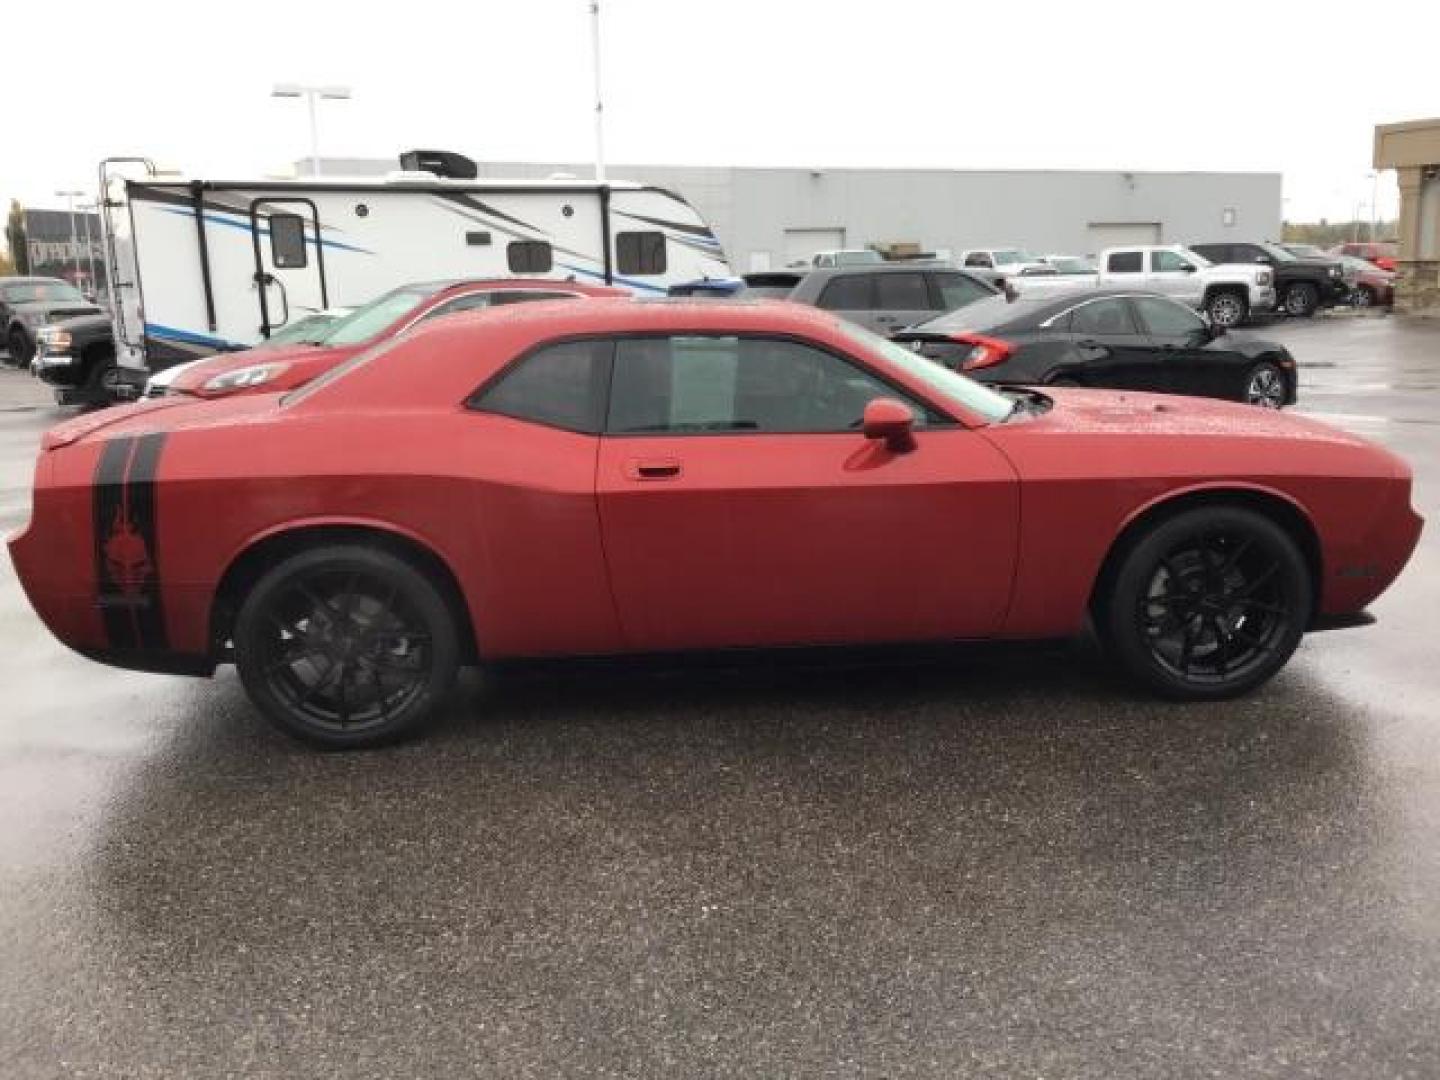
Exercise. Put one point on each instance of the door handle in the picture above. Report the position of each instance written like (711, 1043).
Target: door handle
(653, 469)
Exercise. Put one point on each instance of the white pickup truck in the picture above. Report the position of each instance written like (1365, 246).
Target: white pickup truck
(1228, 292)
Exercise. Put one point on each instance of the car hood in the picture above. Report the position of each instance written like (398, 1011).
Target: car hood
(1112, 413)
(94, 320)
(53, 310)
(298, 363)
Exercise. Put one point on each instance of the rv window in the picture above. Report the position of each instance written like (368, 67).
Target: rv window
(640, 252)
(529, 257)
(287, 241)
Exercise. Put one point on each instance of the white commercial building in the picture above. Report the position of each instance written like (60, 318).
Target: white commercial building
(769, 217)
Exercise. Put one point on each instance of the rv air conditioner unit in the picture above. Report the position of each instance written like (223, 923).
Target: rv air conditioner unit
(440, 163)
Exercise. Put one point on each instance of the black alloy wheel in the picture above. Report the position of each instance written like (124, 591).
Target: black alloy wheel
(1265, 386)
(1301, 300)
(1209, 604)
(346, 647)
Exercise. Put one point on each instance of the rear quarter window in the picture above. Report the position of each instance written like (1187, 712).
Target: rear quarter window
(848, 292)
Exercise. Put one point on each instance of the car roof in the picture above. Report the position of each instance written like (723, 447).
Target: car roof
(444, 284)
(884, 268)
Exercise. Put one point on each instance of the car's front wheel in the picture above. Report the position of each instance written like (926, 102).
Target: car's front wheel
(1227, 309)
(1265, 386)
(18, 345)
(1301, 300)
(346, 646)
(1207, 604)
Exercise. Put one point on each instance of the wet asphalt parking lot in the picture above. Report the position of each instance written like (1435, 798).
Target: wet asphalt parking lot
(979, 864)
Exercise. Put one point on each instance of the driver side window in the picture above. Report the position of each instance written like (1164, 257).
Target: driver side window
(704, 384)
(1102, 317)
(1168, 261)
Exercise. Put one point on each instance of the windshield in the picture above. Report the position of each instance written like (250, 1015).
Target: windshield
(1278, 253)
(366, 321)
(308, 329)
(1010, 258)
(32, 292)
(1064, 264)
(1195, 257)
(951, 385)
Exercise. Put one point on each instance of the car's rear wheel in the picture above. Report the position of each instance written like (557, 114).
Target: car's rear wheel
(1362, 296)
(1265, 386)
(346, 646)
(1301, 300)
(1208, 604)
(1227, 309)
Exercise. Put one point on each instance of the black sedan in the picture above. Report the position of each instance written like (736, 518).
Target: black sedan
(1112, 338)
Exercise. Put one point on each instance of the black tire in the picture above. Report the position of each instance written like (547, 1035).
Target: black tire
(327, 622)
(1207, 604)
(100, 379)
(19, 347)
(1227, 308)
(1301, 300)
(1264, 386)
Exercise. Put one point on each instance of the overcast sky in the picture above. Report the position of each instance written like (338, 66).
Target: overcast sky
(1104, 84)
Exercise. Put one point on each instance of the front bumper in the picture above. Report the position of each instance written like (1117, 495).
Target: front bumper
(57, 369)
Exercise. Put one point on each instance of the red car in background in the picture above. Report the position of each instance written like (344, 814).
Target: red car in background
(1370, 286)
(288, 366)
(1381, 254)
(623, 477)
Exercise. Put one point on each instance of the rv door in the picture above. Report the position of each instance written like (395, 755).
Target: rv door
(289, 260)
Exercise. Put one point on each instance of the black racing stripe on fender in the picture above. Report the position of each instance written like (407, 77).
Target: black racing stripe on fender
(150, 618)
(107, 500)
(127, 574)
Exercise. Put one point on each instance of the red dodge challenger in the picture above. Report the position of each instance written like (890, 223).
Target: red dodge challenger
(622, 476)
(284, 367)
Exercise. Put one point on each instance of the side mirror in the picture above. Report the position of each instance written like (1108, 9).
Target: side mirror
(1188, 268)
(891, 420)
(1265, 260)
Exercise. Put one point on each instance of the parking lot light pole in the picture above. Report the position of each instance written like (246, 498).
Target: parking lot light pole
(86, 209)
(70, 197)
(311, 94)
(599, 103)
(1374, 204)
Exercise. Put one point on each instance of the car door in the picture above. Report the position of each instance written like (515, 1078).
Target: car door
(740, 504)
(1185, 361)
(1109, 349)
(1172, 274)
(901, 299)
(850, 296)
(1125, 268)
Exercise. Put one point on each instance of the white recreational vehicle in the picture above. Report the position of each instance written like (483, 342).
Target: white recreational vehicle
(201, 266)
